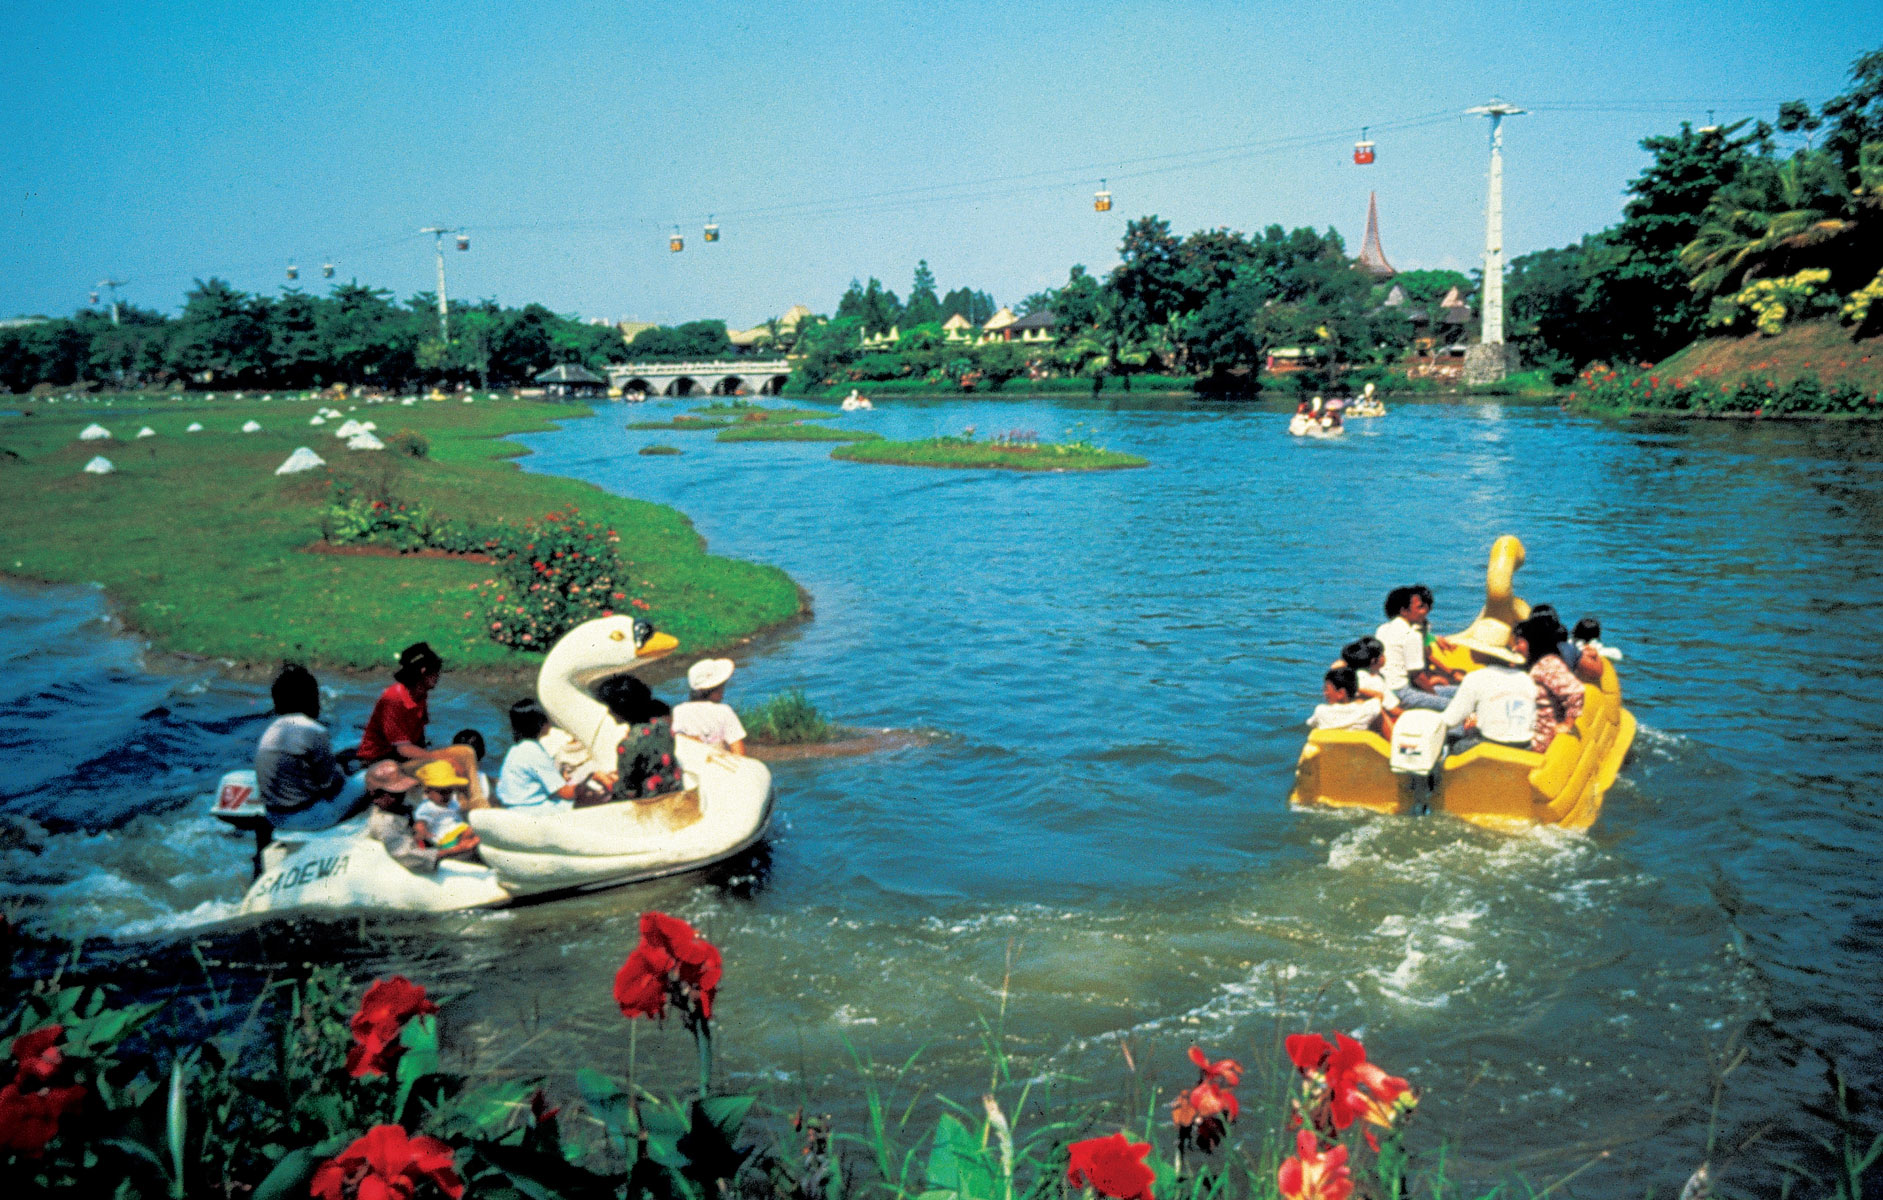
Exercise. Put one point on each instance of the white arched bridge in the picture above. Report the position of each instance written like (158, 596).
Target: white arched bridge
(716, 377)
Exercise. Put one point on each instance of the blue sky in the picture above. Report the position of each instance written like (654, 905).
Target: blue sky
(158, 142)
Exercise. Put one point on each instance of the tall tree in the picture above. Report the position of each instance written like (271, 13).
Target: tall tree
(924, 306)
(1146, 282)
(222, 333)
(1077, 304)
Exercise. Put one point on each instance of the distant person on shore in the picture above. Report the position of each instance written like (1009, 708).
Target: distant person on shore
(396, 730)
(1403, 637)
(1343, 708)
(530, 773)
(705, 715)
(301, 782)
(644, 758)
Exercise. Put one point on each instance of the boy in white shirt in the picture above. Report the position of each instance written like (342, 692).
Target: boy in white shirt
(705, 716)
(1342, 710)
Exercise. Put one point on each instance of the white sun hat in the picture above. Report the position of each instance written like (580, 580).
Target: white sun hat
(709, 673)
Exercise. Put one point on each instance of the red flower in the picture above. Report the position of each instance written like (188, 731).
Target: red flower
(38, 1056)
(1312, 1175)
(671, 964)
(1111, 1166)
(386, 1164)
(1226, 1071)
(29, 1120)
(1344, 1086)
(384, 1010)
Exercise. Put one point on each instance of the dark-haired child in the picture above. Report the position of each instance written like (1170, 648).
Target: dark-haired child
(1343, 709)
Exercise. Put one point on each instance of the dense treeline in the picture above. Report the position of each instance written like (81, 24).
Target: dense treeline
(1723, 232)
(356, 335)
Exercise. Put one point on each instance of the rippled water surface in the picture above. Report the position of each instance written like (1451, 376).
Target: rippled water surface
(1119, 664)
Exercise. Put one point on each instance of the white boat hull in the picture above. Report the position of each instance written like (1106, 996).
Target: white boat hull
(527, 852)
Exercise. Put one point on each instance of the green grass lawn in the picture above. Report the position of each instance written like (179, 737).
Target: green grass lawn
(683, 422)
(771, 431)
(200, 545)
(959, 452)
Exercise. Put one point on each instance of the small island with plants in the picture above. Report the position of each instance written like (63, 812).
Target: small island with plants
(1017, 450)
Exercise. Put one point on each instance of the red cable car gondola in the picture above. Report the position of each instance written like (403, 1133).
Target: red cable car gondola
(1363, 150)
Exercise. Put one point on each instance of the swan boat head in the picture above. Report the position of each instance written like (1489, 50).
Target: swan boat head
(583, 657)
(1503, 608)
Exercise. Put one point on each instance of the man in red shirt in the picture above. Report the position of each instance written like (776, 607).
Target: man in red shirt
(396, 730)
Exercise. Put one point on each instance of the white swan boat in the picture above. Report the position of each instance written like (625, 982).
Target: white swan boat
(530, 852)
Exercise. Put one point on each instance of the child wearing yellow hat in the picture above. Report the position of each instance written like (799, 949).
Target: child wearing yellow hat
(439, 818)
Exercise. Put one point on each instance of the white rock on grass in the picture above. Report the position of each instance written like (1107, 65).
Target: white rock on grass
(409, 401)
(251, 427)
(317, 419)
(94, 433)
(369, 426)
(365, 441)
(146, 431)
(352, 428)
(194, 427)
(99, 466)
(302, 459)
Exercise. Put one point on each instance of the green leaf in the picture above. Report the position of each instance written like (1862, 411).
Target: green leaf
(956, 1162)
(291, 1176)
(608, 1100)
(727, 1113)
(420, 1039)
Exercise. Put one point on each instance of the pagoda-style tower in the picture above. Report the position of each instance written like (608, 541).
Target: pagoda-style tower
(1373, 259)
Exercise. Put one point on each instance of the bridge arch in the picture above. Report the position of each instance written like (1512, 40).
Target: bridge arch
(683, 385)
(728, 385)
(636, 383)
(774, 386)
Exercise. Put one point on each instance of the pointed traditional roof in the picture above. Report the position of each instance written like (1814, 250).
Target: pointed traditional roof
(1452, 299)
(1372, 258)
(999, 320)
(957, 321)
(1395, 298)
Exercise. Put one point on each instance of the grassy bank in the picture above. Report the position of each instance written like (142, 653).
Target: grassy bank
(1013, 387)
(1002, 455)
(1821, 350)
(200, 545)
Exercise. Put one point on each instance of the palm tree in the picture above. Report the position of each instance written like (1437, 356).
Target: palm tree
(1782, 218)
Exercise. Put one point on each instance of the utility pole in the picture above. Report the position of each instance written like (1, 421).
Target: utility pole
(1493, 363)
(113, 285)
(438, 233)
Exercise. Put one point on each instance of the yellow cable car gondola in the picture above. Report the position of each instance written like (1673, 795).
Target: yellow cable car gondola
(1102, 201)
(294, 272)
(1363, 150)
(676, 243)
(712, 229)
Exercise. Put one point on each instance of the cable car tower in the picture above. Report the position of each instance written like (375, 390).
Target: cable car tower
(113, 285)
(1489, 360)
(438, 233)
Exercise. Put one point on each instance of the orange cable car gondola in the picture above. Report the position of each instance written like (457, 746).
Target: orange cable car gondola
(1363, 150)
(712, 229)
(676, 243)
(1101, 202)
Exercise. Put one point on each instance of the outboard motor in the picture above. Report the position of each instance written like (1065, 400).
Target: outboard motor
(1418, 748)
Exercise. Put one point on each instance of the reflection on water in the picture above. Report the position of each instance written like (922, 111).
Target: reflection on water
(1123, 661)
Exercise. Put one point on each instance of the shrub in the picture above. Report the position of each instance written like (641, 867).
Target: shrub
(565, 572)
(410, 441)
(1630, 389)
(787, 719)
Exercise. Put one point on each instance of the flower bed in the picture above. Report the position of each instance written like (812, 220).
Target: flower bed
(1644, 389)
(318, 1094)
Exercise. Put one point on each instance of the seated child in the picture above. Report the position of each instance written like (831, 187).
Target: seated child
(389, 821)
(475, 740)
(1343, 710)
(1367, 657)
(1588, 636)
(439, 818)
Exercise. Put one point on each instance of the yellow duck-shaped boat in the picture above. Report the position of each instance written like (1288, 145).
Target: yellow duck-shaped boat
(1490, 785)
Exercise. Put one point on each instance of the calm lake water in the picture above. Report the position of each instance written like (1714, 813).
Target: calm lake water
(1118, 665)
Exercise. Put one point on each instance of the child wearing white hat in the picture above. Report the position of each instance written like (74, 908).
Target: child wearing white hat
(705, 715)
